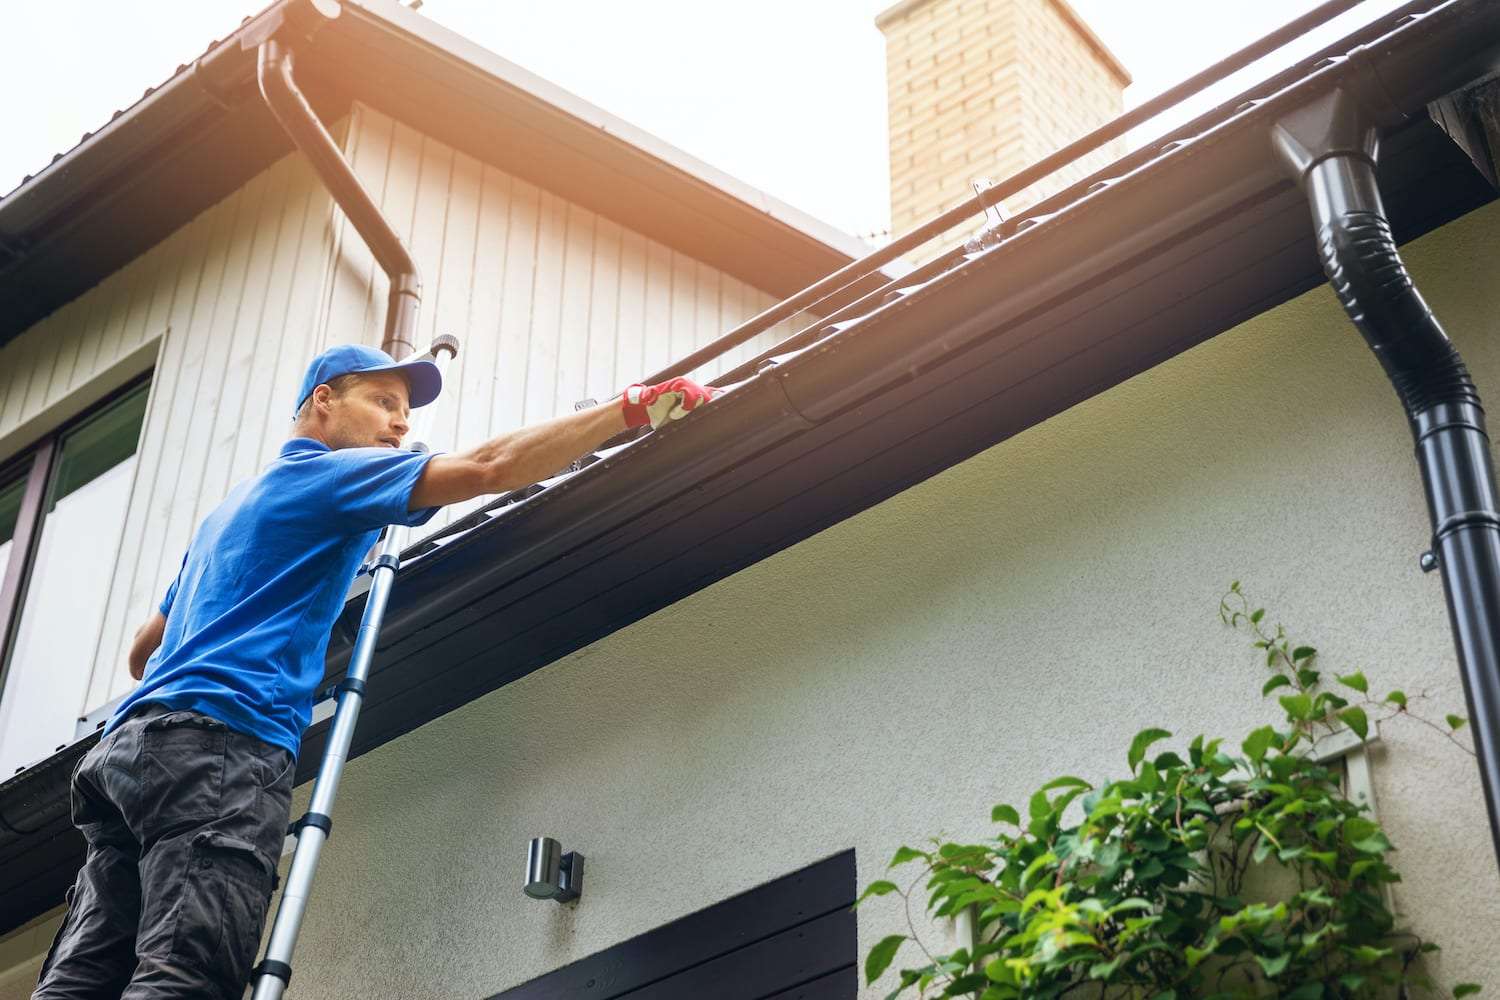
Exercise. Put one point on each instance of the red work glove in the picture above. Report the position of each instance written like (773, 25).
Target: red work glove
(657, 404)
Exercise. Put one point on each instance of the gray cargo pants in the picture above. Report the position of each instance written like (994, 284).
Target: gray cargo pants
(184, 819)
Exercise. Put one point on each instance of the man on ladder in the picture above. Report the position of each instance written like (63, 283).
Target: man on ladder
(184, 802)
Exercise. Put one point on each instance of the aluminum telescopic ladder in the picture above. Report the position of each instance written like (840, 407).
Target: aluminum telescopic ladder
(274, 972)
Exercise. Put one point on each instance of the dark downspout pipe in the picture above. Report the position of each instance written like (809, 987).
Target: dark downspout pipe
(1331, 146)
(292, 110)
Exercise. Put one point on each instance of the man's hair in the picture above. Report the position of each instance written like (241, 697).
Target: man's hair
(339, 384)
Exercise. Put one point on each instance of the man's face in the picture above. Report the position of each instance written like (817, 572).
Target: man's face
(372, 412)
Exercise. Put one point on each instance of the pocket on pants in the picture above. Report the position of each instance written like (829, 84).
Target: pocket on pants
(182, 770)
(223, 909)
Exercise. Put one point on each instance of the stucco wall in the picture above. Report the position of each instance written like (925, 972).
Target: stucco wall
(1018, 616)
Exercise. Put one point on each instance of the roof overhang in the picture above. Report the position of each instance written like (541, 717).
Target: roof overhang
(205, 132)
(1164, 250)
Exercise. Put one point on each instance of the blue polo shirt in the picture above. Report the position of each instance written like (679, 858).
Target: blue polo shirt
(249, 615)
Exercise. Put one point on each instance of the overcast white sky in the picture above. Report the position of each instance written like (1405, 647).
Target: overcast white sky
(787, 95)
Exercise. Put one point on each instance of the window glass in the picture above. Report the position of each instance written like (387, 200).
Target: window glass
(99, 444)
(55, 639)
(11, 491)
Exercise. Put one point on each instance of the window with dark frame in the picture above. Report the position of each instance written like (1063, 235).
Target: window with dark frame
(62, 512)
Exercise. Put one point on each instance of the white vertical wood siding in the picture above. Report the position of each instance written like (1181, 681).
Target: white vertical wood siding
(552, 303)
(226, 307)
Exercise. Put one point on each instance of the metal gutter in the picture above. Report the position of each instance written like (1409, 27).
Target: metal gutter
(822, 292)
(1330, 147)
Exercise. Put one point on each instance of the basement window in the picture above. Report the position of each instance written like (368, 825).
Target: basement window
(62, 510)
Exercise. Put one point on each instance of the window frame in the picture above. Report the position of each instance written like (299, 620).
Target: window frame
(42, 456)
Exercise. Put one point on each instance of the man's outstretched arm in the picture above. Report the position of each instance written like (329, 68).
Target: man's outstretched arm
(528, 455)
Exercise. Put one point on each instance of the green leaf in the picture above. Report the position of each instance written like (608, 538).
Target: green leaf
(1375, 843)
(1273, 967)
(1142, 741)
(1355, 680)
(904, 854)
(1397, 698)
(1307, 678)
(1280, 680)
(1298, 706)
(1258, 742)
(1005, 814)
(880, 957)
(1303, 652)
(1369, 955)
(1456, 722)
(881, 888)
(1257, 615)
(1465, 989)
(1354, 718)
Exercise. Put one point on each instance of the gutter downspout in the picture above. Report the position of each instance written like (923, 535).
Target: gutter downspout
(291, 108)
(1330, 146)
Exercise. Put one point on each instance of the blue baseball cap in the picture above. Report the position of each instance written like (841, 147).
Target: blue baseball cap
(356, 359)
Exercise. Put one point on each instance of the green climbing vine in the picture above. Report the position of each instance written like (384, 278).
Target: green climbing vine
(1212, 871)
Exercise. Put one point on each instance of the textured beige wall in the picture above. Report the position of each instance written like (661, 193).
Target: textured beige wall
(1020, 615)
(983, 89)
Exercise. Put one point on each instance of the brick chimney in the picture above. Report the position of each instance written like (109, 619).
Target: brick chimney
(984, 88)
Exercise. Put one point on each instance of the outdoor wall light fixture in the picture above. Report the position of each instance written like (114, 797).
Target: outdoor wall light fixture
(551, 874)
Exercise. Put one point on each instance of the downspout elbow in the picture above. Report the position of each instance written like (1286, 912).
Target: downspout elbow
(1331, 148)
(278, 86)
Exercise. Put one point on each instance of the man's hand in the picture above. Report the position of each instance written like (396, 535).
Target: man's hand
(147, 638)
(525, 456)
(669, 400)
